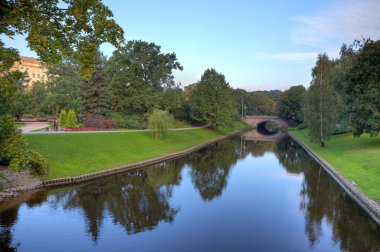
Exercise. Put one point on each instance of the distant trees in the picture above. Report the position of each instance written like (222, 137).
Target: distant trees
(211, 100)
(291, 104)
(320, 109)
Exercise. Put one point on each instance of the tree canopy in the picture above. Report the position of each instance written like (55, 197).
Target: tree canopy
(363, 88)
(211, 100)
(55, 28)
(291, 103)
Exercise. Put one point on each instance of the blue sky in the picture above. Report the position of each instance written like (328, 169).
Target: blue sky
(257, 45)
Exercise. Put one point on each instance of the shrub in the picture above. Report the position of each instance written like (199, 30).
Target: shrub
(128, 122)
(71, 119)
(159, 122)
(99, 123)
(62, 118)
(14, 151)
(301, 126)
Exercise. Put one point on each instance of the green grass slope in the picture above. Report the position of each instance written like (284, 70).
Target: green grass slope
(358, 159)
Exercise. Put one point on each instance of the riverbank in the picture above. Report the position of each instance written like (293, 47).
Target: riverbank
(71, 155)
(76, 158)
(354, 163)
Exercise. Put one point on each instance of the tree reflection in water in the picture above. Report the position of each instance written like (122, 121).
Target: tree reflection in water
(211, 166)
(139, 200)
(323, 200)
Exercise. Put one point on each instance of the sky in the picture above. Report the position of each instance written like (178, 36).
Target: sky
(256, 44)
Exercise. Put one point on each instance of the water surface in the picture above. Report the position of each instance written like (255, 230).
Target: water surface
(238, 195)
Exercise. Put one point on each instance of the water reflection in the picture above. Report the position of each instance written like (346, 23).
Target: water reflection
(210, 168)
(140, 200)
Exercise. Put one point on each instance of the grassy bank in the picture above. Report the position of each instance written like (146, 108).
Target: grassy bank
(81, 153)
(358, 159)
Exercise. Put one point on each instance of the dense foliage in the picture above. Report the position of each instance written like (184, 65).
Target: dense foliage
(14, 151)
(291, 103)
(363, 88)
(54, 29)
(211, 100)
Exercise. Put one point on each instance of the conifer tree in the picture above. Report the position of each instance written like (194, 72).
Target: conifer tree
(96, 92)
(62, 118)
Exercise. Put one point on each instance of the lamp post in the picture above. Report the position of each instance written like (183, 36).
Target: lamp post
(242, 108)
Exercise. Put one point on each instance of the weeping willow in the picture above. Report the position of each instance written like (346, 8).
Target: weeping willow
(159, 123)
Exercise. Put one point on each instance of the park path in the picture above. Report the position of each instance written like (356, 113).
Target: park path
(99, 131)
(30, 126)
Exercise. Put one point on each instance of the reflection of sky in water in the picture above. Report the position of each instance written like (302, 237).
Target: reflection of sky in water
(264, 197)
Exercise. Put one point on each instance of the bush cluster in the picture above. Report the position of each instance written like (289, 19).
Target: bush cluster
(128, 122)
(14, 151)
(99, 123)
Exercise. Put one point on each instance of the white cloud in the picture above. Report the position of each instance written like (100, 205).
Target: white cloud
(346, 21)
(300, 57)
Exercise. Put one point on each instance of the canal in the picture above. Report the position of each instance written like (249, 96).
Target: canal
(238, 195)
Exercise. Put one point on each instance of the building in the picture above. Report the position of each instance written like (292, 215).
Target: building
(35, 69)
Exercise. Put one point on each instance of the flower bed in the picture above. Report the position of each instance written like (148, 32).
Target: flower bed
(80, 129)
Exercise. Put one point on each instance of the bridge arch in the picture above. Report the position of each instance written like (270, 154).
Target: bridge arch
(256, 121)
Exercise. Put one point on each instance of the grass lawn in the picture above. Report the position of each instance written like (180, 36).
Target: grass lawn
(18, 124)
(80, 153)
(358, 159)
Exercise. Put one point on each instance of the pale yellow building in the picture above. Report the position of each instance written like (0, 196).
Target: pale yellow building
(35, 69)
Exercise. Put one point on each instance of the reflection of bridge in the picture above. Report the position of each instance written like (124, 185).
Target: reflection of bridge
(255, 135)
(255, 121)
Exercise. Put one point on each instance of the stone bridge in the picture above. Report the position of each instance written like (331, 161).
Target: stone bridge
(256, 121)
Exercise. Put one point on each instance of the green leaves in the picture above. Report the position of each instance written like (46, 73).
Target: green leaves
(363, 89)
(320, 108)
(53, 29)
(211, 100)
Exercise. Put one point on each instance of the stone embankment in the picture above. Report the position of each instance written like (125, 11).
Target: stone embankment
(371, 207)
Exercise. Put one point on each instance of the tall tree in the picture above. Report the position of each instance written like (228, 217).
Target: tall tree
(290, 104)
(363, 88)
(96, 91)
(320, 110)
(71, 28)
(211, 101)
(139, 73)
(63, 87)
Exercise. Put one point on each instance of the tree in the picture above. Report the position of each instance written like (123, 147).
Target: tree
(139, 72)
(260, 104)
(71, 119)
(62, 117)
(291, 103)
(363, 89)
(96, 94)
(211, 101)
(159, 122)
(71, 28)
(174, 102)
(63, 89)
(320, 109)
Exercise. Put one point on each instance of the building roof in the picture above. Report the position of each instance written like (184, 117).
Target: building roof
(29, 60)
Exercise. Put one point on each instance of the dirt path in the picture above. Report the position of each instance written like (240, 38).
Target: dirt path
(29, 127)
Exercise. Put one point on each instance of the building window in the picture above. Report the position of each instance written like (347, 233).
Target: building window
(34, 75)
(43, 76)
(38, 75)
